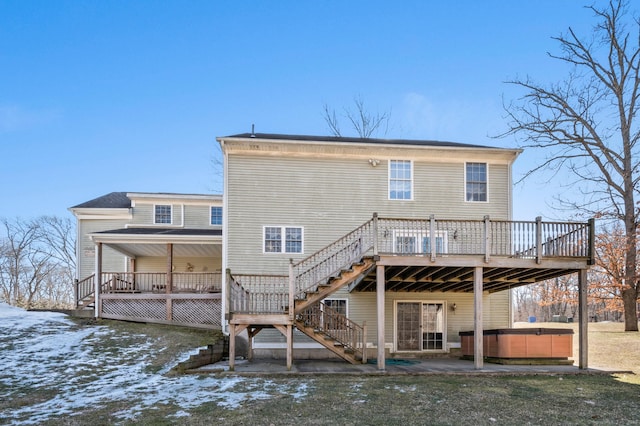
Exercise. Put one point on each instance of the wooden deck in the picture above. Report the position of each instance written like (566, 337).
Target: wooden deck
(387, 254)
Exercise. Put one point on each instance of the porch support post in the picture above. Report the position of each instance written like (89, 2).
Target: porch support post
(584, 320)
(97, 282)
(380, 309)
(478, 336)
(169, 283)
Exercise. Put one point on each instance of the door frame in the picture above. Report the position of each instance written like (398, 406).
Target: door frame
(421, 302)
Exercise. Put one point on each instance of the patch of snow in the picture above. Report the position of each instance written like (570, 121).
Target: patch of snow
(48, 353)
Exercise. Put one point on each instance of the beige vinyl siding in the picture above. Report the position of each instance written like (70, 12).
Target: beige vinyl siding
(331, 197)
(197, 216)
(362, 307)
(111, 260)
(144, 213)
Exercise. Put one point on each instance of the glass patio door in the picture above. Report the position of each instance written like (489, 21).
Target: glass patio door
(420, 326)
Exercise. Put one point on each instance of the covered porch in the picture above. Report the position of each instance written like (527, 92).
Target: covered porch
(171, 275)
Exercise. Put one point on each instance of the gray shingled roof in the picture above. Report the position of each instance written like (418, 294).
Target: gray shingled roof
(356, 140)
(163, 231)
(113, 200)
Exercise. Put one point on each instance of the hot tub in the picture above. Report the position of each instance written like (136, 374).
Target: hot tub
(530, 343)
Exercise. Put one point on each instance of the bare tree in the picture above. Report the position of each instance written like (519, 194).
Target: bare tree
(586, 124)
(37, 262)
(364, 122)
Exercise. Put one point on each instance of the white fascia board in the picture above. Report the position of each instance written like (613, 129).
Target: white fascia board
(155, 239)
(329, 149)
(187, 198)
(102, 213)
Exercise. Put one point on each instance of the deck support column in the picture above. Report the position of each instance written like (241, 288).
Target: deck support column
(380, 308)
(584, 320)
(97, 282)
(232, 347)
(478, 336)
(289, 346)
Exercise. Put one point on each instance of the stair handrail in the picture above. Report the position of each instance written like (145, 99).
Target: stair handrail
(84, 288)
(330, 260)
(328, 321)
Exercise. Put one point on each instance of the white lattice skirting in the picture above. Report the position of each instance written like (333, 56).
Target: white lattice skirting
(197, 312)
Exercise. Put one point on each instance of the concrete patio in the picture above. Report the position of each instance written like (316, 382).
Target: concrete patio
(408, 366)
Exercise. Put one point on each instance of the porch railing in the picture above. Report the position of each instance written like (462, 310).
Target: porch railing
(150, 282)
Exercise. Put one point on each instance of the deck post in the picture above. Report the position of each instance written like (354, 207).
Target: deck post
(364, 342)
(538, 239)
(289, 346)
(98, 281)
(478, 336)
(487, 239)
(375, 234)
(584, 320)
(169, 283)
(232, 346)
(380, 308)
(432, 236)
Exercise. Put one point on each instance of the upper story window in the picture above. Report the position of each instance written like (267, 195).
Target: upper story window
(162, 214)
(400, 180)
(216, 215)
(476, 182)
(282, 239)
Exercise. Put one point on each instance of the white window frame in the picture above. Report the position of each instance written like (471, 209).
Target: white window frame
(211, 215)
(466, 181)
(283, 240)
(389, 180)
(422, 302)
(155, 214)
(420, 237)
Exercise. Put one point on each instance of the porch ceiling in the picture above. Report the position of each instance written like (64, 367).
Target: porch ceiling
(160, 249)
(152, 242)
(456, 278)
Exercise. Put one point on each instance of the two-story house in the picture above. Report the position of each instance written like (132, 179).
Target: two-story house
(365, 247)
(152, 256)
(379, 246)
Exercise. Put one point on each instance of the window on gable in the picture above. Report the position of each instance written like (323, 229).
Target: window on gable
(282, 239)
(400, 180)
(162, 214)
(476, 182)
(216, 215)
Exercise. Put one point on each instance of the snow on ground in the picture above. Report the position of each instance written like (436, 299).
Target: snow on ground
(48, 353)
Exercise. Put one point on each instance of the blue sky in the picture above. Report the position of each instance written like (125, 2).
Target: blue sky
(101, 96)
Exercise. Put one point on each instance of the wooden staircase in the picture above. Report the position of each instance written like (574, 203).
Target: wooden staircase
(328, 327)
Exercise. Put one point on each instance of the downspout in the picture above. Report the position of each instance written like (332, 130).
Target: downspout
(225, 241)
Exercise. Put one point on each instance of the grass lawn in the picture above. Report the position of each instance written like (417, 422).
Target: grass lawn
(115, 373)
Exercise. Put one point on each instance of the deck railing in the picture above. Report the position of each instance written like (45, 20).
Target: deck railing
(259, 294)
(414, 237)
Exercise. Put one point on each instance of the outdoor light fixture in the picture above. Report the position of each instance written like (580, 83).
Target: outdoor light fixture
(374, 162)
(454, 307)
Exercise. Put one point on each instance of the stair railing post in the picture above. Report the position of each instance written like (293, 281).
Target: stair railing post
(292, 285)
(227, 289)
(375, 234)
(364, 342)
